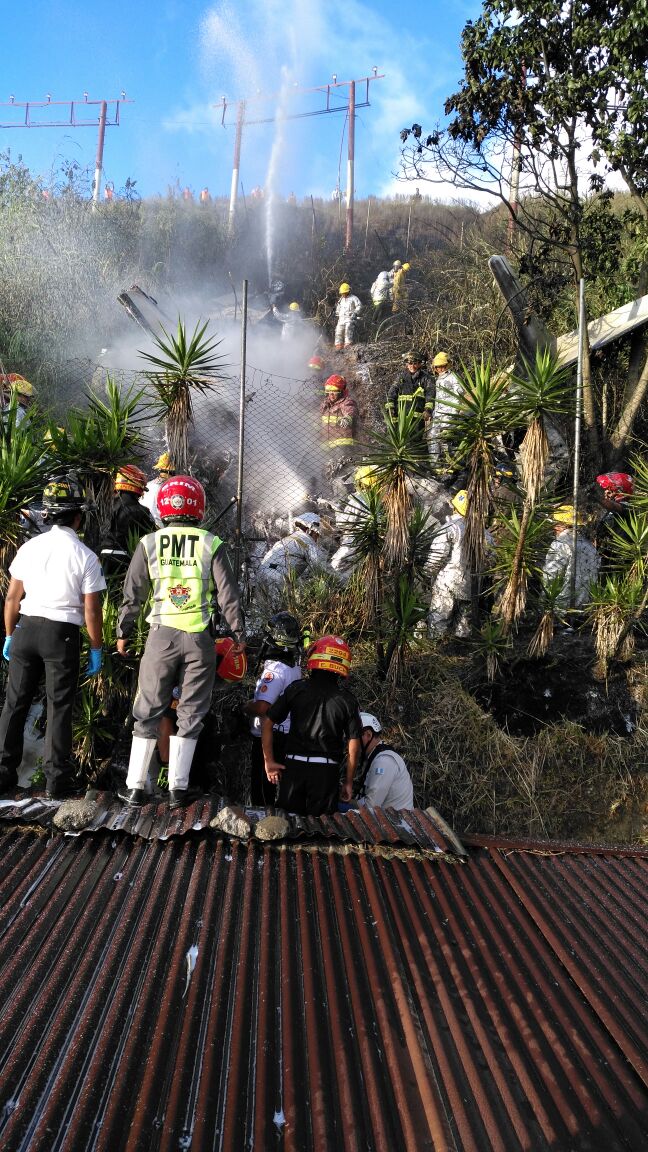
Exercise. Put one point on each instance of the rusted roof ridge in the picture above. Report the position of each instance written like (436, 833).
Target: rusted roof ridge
(541, 913)
(508, 844)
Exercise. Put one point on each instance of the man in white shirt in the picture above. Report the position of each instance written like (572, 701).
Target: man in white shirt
(386, 783)
(55, 588)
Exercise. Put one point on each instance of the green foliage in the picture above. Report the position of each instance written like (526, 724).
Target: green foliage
(182, 365)
(630, 544)
(543, 388)
(22, 469)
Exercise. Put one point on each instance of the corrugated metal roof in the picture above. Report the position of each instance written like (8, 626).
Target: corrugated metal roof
(415, 829)
(200, 994)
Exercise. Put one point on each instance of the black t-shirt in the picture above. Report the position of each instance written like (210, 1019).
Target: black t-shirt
(324, 716)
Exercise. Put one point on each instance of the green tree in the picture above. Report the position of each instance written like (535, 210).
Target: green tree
(548, 89)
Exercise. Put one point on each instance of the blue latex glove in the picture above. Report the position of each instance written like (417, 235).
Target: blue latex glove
(95, 660)
(6, 647)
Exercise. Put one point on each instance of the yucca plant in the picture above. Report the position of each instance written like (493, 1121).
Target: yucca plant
(542, 638)
(405, 613)
(22, 476)
(543, 390)
(181, 366)
(92, 733)
(522, 544)
(492, 647)
(616, 604)
(96, 440)
(367, 534)
(398, 453)
(482, 414)
(629, 539)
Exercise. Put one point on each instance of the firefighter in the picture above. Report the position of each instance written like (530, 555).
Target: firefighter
(55, 588)
(339, 413)
(347, 310)
(13, 384)
(611, 493)
(297, 553)
(447, 568)
(316, 370)
(413, 390)
(448, 390)
(128, 518)
(381, 296)
(164, 469)
(351, 519)
(385, 781)
(559, 560)
(279, 657)
(291, 321)
(186, 571)
(324, 728)
(399, 288)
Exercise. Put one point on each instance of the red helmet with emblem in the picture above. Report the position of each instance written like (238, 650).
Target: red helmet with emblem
(616, 485)
(130, 478)
(329, 654)
(181, 498)
(230, 666)
(316, 363)
(335, 384)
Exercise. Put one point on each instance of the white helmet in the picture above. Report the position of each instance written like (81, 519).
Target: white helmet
(308, 521)
(368, 720)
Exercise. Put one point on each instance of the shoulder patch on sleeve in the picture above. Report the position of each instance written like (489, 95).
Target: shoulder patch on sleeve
(268, 676)
(263, 688)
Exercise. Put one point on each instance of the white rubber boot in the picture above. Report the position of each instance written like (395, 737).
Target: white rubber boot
(141, 756)
(181, 754)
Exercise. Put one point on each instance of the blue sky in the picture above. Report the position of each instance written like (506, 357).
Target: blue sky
(177, 58)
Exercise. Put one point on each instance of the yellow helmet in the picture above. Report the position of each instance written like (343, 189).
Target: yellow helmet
(564, 514)
(440, 360)
(294, 307)
(366, 476)
(460, 502)
(18, 384)
(344, 289)
(163, 463)
(406, 267)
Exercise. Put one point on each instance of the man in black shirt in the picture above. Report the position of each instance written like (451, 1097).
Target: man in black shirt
(324, 727)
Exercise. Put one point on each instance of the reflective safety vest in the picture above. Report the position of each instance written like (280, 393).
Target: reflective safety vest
(179, 560)
(338, 420)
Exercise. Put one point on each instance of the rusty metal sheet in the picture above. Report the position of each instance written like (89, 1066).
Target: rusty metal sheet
(199, 993)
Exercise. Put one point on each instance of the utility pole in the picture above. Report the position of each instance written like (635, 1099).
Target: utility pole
(328, 91)
(33, 115)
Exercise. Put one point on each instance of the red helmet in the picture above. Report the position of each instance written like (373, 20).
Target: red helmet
(617, 485)
(181, 498)
(229, 666)
(130, 478)
(316, 363)
(335, 384)
(330, 654)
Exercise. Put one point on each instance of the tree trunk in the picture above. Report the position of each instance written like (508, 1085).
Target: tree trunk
(632, 403)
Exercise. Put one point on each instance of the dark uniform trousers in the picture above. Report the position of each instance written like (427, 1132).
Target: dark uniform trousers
(309, 788)
(38, 645)
(262, 792)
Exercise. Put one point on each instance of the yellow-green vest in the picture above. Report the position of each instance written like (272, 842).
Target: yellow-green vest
(179, 562)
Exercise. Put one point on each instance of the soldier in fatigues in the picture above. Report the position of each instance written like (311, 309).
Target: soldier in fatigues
(186, 571)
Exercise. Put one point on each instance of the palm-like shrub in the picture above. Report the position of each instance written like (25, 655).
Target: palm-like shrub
(540, 642)
(96, 440)
(23, 472)
(182, 365)
(398, 453)
(522, 542)
(615, 604)
(481, 413)
(543, 390)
